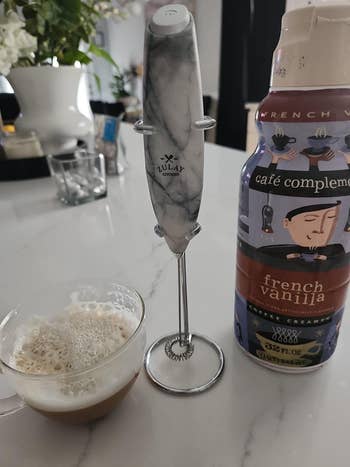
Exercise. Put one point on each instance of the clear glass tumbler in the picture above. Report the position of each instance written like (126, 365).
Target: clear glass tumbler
(79, 177)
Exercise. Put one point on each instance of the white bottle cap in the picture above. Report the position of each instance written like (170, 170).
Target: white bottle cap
(314, 48)
(170, 19)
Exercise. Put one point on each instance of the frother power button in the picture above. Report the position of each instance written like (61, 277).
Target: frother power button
(170, 19)
(171, 12)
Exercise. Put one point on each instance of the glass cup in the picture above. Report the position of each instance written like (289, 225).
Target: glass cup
(75, 396)
(79, 177)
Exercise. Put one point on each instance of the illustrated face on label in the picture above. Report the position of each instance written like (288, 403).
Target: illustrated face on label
(312, 226)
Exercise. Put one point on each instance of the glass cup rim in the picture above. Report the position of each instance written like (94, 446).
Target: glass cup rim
(72, 158)
(89, 369)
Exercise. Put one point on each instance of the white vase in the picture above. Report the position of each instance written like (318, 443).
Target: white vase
(54, 103)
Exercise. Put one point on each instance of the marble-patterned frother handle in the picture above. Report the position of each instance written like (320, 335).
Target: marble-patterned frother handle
(173, 124)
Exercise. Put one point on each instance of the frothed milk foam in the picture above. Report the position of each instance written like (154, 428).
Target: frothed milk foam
(81, 336)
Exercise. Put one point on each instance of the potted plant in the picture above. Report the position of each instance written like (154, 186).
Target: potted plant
(52, 38)
(121, 86)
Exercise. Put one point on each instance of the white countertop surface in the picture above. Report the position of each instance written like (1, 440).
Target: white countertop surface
(252, 418)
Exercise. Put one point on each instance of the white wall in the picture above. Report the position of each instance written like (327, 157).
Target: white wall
(124, 41)
(208, 21)
(102, 68)
(292, 4)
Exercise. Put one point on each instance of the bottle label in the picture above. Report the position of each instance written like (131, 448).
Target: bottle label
(294, 242)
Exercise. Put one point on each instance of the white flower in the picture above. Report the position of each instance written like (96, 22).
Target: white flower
(5, 68)
(26, 42)
(5, 64)
(115, 11)
(11, 21)
(134, 8)
(9, 40)
(3, 53)
(15, 42)
(102, 7)
(12, 55)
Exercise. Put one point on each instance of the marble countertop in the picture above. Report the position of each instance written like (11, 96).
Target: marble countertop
(252, 417)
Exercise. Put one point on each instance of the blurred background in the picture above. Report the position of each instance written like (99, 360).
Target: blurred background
(236, 40)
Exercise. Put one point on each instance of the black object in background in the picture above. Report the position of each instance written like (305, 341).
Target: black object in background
(23, 169)
(30, 168)
(262, 40)
(9, 107)
(249, 35)
(114, 109)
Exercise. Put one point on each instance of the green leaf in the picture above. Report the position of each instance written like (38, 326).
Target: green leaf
(9, 5)
(72, 56)
(41, 25)
(82, 34)
(28, 12)
(89, 9)
(50, 12)
(98, 82)
(70, 9)
(60, 26)
(31, 26)
(98, 52)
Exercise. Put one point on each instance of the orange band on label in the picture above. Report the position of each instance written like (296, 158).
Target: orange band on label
(294, 293)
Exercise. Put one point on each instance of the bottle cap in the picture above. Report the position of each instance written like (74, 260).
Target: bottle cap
(170, 19)
(314, 48)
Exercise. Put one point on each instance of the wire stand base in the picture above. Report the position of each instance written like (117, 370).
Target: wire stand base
(193, 371)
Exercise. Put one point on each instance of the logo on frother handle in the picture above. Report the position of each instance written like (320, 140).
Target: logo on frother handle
(170, 166)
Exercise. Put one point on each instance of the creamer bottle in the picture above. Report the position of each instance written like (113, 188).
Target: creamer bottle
(294, 215)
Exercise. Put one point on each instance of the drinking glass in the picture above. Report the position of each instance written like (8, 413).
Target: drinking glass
(76, 396)
(79, 177)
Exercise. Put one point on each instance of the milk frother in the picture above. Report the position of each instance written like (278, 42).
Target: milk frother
(172, 126)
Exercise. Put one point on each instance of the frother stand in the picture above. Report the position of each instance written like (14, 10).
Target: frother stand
(181, 346)
(173, 125)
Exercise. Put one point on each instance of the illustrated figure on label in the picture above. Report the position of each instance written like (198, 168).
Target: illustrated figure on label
(319, 149)
(314, 158)
(310, 227)
(276, 157)
(345, 152)
(281, 140)
(280, 149)
(334, 337)
(290, 154)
